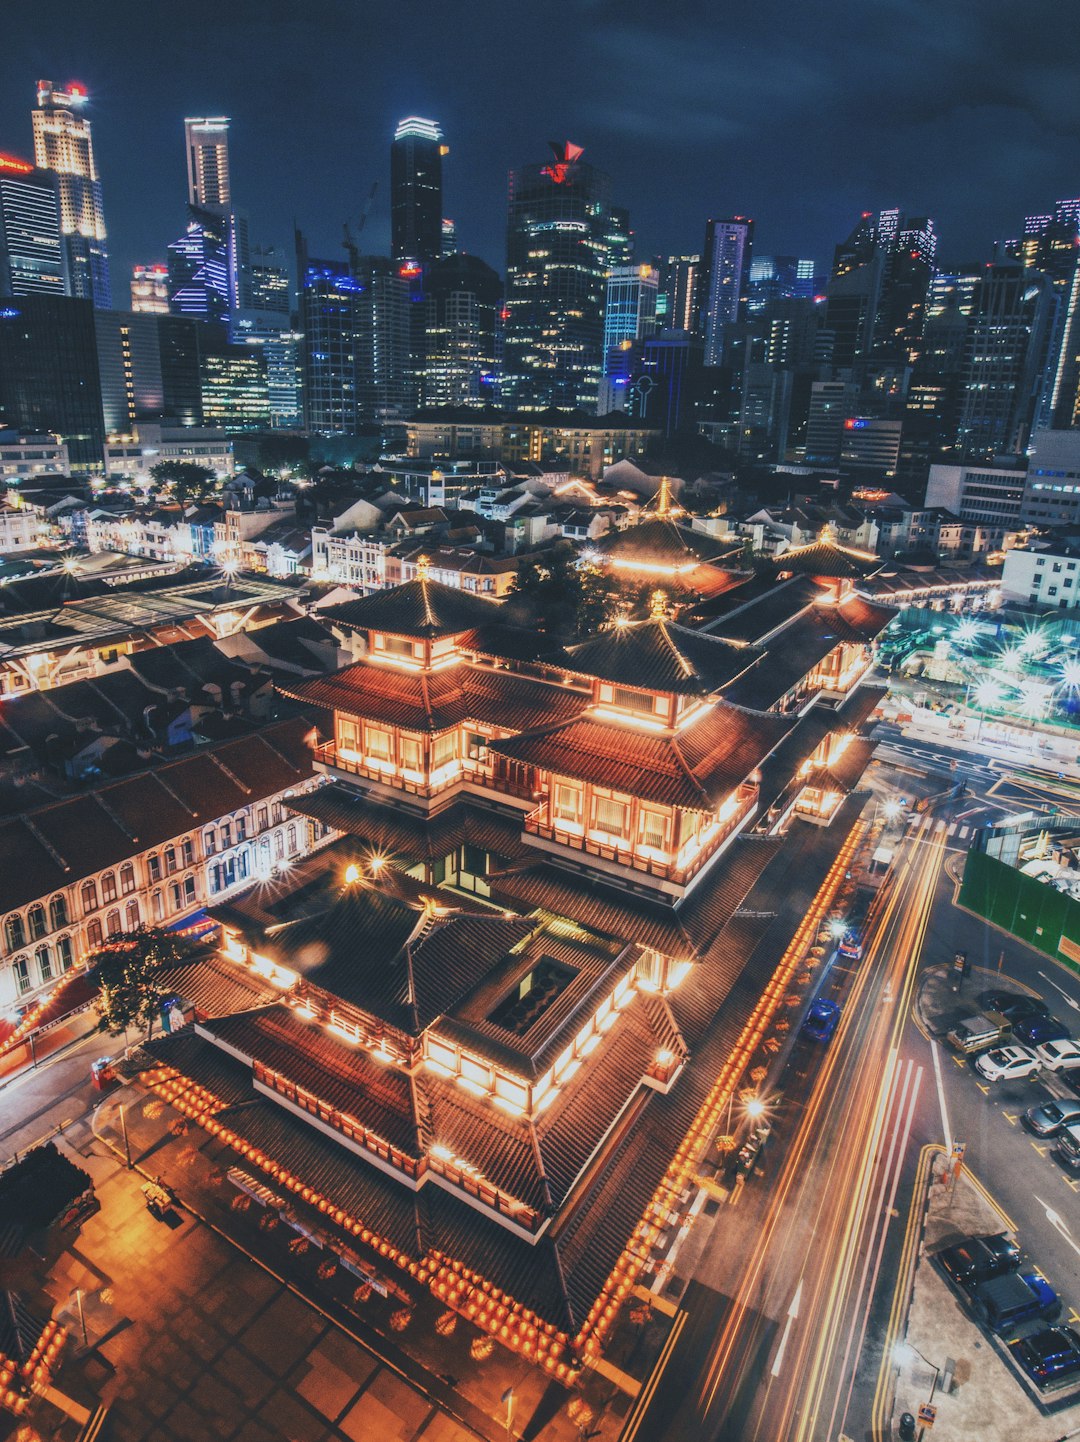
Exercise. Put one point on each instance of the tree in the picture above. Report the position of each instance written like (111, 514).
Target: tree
(561, 595)
(185, 479)
(128, 970)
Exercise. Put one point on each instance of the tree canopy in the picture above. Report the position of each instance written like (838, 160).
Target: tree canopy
(185, 479)
(563, 596)
(129, 969)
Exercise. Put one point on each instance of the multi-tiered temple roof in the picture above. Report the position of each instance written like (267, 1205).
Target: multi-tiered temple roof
(500, 1005)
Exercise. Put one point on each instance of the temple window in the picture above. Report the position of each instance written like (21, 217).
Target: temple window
(610, 816)
(348, 734)
(379, 743)
(654, 827)
(411, 755)
(567, 803)
(639, 702)
(443, 750)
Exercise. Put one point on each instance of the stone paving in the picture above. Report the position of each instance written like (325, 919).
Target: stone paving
(190, 1338)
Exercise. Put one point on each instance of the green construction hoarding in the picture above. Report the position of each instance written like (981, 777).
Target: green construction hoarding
(1046, 919)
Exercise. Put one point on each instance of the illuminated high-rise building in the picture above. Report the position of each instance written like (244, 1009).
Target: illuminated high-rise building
(676, 299)
(63, 145)
(563, 236)
(199, 267)
(32, 255)
(630, 305)
(462, 296)
(724, 280)
(150, 289)
(416, 199)
(208, 162)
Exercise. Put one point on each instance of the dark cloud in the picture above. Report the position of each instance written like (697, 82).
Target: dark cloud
(801, 115)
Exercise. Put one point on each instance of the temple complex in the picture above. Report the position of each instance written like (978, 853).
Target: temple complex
(478, 1030)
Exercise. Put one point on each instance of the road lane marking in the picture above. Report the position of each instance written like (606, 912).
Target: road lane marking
(1042, 1151)
(959, 1060)
(1059, 1226)
(1074, 1316)
(983, 1088)
(1072, 1182)
(941, 1096)
(1010, 1119)
(792, 1313)
(1069, 1001)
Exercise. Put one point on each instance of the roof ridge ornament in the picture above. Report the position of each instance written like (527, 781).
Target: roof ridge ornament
(658, 605)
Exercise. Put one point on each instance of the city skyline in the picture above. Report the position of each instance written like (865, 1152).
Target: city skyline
(787, 147)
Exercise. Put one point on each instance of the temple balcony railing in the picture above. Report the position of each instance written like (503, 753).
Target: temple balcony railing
(456, 773)
(452, 1172)
(623, 852)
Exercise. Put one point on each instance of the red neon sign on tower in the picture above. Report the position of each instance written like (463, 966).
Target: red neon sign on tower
(565, 156)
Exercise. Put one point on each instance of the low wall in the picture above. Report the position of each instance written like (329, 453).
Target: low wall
(1028, 909)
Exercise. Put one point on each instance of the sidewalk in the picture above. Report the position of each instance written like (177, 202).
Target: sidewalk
(988, 1400)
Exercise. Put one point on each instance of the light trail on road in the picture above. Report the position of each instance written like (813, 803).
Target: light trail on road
(854, 1133)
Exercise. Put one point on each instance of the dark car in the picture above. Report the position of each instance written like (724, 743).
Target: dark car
(821, 1020)
(1047, 1120)
(1006, 1303)
(1034, 1030)
(979, 1259)
(1013, 1004)
(1049, 1356)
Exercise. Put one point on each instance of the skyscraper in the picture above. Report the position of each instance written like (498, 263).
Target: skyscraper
(563, 236)
(208, 162)
(676, 301)
(49, 379)
(210, 192)
(462, 296)
(1004, 352)
(630, 305)
(329, 297)
(199, 267)
(62, 144)
(724, 280)
(32, 255)
(150, 289)
(416, 200)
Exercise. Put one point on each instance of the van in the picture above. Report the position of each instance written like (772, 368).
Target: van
(1006, 1302)
(976, 1033)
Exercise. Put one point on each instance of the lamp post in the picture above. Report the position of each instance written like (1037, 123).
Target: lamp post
(901, 1354)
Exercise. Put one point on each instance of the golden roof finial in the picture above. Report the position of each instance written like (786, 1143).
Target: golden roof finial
(658, 606)
(663, 497)
(423, 568)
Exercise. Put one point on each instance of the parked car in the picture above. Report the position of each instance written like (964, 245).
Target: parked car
(1007, 1063)
(979, 1259)
(1048, 1119)
(1049, 1356)
(1013, 1004)
(821, 1020)
(1059, 1055)
(1005, 1303)
(1068, 1146)
(1035, 1030)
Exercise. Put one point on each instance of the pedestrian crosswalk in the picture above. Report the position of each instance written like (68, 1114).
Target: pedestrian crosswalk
(960, 832)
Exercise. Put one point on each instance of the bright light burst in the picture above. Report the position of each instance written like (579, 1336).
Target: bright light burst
(988, 693)
(966, 632)
(1070, 675)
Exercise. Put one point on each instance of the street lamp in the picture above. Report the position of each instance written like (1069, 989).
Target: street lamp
(903, 1353)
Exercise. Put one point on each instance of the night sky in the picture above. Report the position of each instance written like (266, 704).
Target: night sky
(801, 115)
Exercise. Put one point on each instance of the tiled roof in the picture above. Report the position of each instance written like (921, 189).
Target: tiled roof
(695, 769)
(683, 931)
(434, 701)
(215, 987)
(343, 1076)
(54, 845)
(417, 608)
(397, 833)
(374, 944)
(661, 541)
(826, 558)
(661, 656)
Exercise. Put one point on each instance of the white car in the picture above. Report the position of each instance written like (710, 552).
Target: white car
(1059, 1055)
(1008, 1063)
